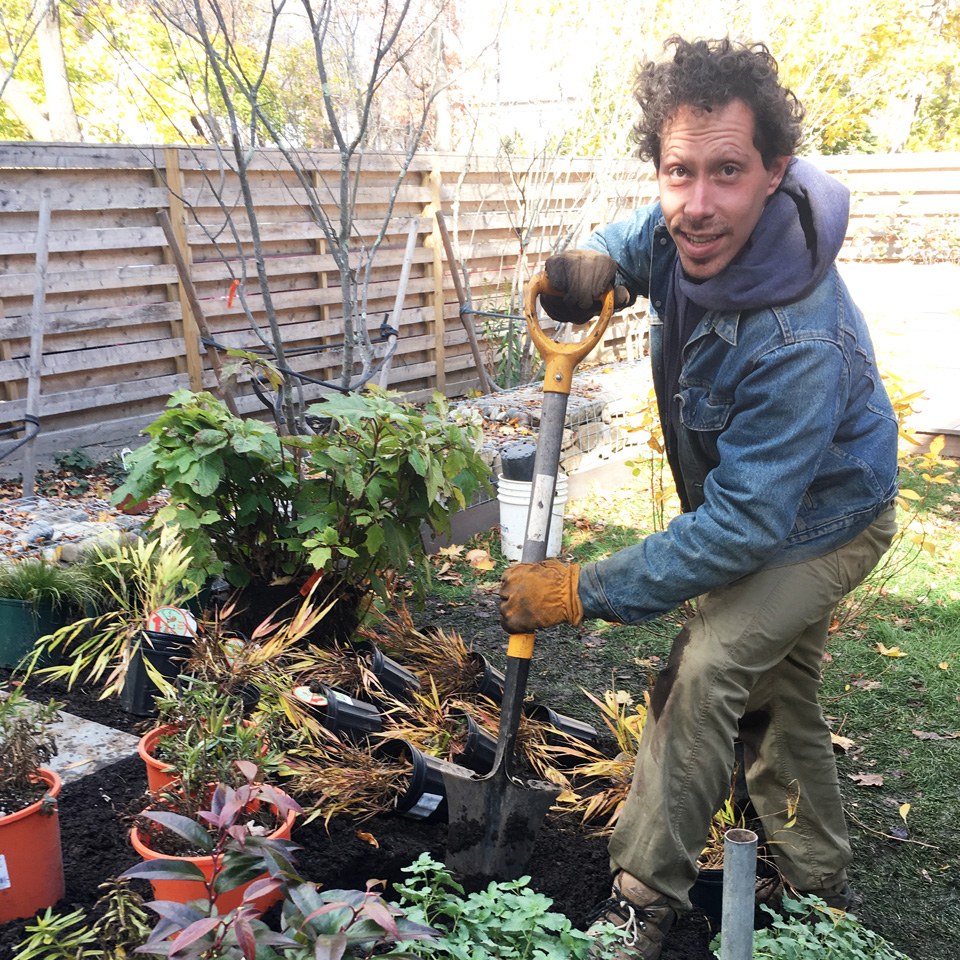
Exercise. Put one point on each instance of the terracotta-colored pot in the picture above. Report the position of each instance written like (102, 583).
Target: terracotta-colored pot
(31, 863)
(159, 774)
(183, 890)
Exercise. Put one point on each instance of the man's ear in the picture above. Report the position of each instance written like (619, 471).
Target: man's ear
(777, 169)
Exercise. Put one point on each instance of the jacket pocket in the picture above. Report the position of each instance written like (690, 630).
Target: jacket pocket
(703, 413)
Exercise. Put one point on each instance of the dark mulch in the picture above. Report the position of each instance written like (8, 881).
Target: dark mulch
(95, 816)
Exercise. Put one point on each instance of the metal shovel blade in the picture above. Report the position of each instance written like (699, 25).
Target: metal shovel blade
(494, 822)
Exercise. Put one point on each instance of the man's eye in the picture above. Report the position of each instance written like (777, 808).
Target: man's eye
(729, 170)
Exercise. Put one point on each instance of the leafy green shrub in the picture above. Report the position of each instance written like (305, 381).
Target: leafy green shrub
(388, 469)
(507, 920)
(812, 929)
(253, 505)
(231, 488)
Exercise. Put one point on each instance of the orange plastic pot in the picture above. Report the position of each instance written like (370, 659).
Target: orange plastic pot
(159, 774)
(31, 863)
(183, 890)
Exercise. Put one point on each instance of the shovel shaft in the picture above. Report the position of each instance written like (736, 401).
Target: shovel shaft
(494, 820)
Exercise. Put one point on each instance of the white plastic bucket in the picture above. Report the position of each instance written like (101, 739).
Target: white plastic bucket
(514, 499)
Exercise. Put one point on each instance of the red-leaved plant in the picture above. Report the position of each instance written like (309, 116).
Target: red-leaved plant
(316, 926)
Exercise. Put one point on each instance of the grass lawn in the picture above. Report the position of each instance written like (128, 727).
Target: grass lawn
(891, 689)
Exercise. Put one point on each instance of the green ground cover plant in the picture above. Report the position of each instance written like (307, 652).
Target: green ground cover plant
(506, 920)
(891, 683)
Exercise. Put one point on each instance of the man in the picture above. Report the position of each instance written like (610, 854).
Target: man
(782, 442)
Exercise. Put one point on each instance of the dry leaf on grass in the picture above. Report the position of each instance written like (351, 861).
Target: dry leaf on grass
(841, 743)
(480, 560)
(865, 684)
(889, 651)
(923, 735)
(866, 779)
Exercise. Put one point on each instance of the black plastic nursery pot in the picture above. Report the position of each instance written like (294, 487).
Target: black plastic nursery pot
(490, 680)
(480, 747)
(569, 726)
(339, 712)
(517, 460)
(166, 652)
(707, 892)
(395, 679)
(425, 795)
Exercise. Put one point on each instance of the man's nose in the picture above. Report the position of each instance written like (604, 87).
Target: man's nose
(700, 203)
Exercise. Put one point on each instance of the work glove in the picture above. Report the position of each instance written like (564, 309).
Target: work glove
(537, 595)
(583, 277)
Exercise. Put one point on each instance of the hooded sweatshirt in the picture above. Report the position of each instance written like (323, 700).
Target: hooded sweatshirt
(795, 242)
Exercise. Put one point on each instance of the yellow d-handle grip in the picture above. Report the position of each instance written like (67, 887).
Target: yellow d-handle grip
(520, 646)
(560, 359)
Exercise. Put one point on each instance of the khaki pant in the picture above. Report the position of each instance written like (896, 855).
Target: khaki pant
(748, 662)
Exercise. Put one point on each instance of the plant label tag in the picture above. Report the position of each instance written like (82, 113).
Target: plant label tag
(426, 805)
(4, 874)
(305, 695)
(172, 620)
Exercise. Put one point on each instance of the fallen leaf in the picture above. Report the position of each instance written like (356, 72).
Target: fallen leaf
(899, 832)
(866, 779)
(454, 550)
(944, 666)
(866, 684)
(368, 838)
(841, 743)
(480, 560)
(889, 651)
(904, 810)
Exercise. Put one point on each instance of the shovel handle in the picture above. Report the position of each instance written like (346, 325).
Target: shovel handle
(560, 359)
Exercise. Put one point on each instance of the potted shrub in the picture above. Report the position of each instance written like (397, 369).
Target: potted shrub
(201, 737)
(442, 655)
(31, 865)
(331, 923)
(341, 778)
(348, 505)
(114, 648)
(38, 597)
(182, 851)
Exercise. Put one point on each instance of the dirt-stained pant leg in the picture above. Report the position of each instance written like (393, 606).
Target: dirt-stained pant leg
(753, 651)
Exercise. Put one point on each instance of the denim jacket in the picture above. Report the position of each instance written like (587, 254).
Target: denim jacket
(788, 441)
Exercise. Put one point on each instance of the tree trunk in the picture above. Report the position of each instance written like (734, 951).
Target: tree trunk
(63, 115)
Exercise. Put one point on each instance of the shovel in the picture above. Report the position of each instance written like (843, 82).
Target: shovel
(494, 820)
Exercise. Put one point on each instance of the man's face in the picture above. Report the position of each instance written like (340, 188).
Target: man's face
(713, 184)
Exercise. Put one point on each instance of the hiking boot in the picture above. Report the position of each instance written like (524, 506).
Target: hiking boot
(841, 897)
(768, 891)
(641, 915)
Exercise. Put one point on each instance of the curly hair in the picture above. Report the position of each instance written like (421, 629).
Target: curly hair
(709, 74)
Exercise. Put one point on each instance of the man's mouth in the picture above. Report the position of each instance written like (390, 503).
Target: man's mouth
(698, 240)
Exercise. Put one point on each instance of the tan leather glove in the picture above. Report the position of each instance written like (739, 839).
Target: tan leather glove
(583, 277)
(537, 595)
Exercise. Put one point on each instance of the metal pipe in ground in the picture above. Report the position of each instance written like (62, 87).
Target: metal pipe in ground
(739, 884)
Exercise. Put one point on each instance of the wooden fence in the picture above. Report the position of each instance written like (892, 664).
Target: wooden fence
(119, 335)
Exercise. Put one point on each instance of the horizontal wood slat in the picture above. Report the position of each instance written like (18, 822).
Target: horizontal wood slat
(114, 318)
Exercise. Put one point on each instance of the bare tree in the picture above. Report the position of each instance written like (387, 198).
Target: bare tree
(353, 55)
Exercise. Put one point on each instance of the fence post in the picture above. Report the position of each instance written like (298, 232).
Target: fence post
(434, 242)
(189, 331)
